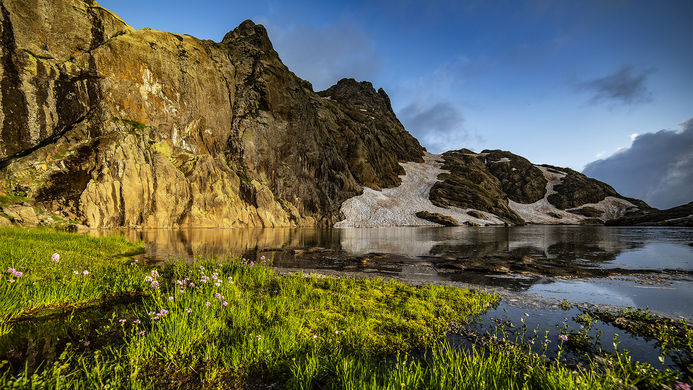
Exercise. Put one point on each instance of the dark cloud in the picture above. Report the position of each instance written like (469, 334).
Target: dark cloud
(657, 168)
(325, 55)
(626, 86)
(439, 126)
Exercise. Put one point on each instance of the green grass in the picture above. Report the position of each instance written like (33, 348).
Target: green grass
(258, 328)
(89, 269)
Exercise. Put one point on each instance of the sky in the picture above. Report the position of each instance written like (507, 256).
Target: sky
(559, 82)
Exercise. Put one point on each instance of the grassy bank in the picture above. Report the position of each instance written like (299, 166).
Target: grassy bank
(229, 323)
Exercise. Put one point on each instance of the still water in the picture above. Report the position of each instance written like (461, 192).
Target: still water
(653, 266)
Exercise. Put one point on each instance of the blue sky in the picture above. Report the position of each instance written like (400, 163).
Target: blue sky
(559, 82)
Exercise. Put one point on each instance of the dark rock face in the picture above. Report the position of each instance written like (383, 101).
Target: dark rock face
(577, 189)
(519, 178)
(438, 218)
(675, 216)
(470, 185)
(108, 126)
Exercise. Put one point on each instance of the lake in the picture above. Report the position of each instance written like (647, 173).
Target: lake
(625, 266)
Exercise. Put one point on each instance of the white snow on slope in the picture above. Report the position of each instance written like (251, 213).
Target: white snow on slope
(398, 206)
(543, 212)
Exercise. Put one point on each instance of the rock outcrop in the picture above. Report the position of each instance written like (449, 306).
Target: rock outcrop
(675, 216)
(517, 191)
(108, 126)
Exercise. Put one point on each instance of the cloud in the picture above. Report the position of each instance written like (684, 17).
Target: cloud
(625, 86)
(438, 126)
(657, 167)
(324, 55)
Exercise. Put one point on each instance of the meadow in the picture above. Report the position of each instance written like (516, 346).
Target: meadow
(81, 312)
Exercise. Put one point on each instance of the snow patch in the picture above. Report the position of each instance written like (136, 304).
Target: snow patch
(398, 206)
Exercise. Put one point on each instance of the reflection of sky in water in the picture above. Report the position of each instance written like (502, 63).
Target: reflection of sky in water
(676, 298)
(658, 255)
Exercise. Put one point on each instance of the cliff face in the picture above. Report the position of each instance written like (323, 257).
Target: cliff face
(108, 126)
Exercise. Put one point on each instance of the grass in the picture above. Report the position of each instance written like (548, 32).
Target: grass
(225, 323)
(89, 269)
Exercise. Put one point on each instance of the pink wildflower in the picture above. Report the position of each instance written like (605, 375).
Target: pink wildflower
(56, 257)
(563, 337)
(85, 272)
(155, 284)
(208, 303)
(18, 274)
(682, 386)
(225, 303)
(10, 270)
(188, 310)
(86, 343)
(170, 298)
(155, 274)
(148, 279)
(217, 296)
(122, 320)
(137, 321)
(262, 258)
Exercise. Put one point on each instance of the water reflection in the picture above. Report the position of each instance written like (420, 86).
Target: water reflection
(457, 254)
(651, 248)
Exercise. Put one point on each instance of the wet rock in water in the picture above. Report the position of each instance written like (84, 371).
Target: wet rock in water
(437, 218)
(471, 223)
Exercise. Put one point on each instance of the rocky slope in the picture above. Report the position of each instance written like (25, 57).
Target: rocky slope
(489, 188)
(107, 126)
(675, 216)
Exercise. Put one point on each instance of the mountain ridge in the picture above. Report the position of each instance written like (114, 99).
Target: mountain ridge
(107, 126)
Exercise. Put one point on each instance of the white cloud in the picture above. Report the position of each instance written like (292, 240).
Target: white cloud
(657, 167)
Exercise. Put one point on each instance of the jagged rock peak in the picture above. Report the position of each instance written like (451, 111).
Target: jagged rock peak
(352, 92)
(248, 30)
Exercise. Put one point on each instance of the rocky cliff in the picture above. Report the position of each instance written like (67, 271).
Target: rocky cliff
(106, 126)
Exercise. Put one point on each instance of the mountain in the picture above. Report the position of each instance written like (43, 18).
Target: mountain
(105, 126)
(108, 126)
(675, 216)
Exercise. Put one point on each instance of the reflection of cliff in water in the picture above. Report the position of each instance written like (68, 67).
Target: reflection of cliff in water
(187, 244)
